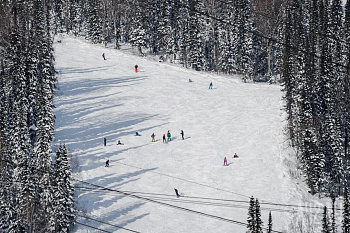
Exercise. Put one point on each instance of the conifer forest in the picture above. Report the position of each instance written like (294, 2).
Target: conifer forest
(303, 45)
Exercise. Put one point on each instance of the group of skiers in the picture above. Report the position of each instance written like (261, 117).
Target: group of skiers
(167, 136)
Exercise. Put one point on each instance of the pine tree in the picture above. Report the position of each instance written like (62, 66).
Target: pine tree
(251, 216)
(269, 225)
(333, 224)
(244, 39)
(325, 221)
(259, 223)
(93, 24)
(346, 212)
(138, 34)
(63, 189)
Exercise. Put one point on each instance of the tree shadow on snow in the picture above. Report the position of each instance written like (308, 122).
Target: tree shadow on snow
(97, 198)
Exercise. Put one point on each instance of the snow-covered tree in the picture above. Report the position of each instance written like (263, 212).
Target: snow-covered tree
(63, 191)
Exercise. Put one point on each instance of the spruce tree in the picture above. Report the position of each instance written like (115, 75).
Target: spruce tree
(259, 223)
(269, 224)
(251, 216)
(63, 190)
(325, 221)
(346, 212)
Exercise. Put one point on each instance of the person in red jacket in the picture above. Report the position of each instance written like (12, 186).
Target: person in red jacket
(136, 66)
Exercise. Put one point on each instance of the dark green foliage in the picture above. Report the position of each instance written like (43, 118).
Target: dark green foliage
(325, 221)
(27, 84)
(255, 224)
(346, 212)
(269, 224)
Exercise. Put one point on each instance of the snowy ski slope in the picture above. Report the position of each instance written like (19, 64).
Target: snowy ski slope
(100, 99)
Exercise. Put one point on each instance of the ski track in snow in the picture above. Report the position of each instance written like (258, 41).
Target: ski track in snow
(100, 99)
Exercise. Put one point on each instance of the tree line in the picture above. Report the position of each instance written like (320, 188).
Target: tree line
(304, 44)
(36, 194)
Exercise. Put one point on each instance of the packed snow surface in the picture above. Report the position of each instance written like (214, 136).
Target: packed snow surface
(99, 99)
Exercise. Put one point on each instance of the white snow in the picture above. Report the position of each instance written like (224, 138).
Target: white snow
(100, 99)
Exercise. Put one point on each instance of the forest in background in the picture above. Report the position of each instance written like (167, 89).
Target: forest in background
(304, 45)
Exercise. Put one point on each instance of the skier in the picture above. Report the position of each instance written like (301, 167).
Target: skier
(182, 134)
(177, 193)
(211, 85)
(164, 139)
(119, 143)
(105, 141)
(169, 135)
(136, 66)
(190, 80)
(235, 156)
(225, 161)
(137, 134)
(103, 55)
(153, 137)
(107, 163)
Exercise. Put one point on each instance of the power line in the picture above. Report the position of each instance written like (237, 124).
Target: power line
(224, 202)
(92, 227)
(189, 181)
(172, 206)
(96, 220)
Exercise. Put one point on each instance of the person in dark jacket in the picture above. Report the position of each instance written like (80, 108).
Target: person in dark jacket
(177, 193)
(103, 55)
(107, 163)
(182, 134)
(211, 85)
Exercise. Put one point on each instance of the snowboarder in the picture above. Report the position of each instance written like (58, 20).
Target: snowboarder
(153, 137)
(235, 156)
(190, 80)
(136, 66)
(169, 135)
(137, 134)
(225, 161)
(105, 141)
(107, 163)
(103, 55)
(211, 85)
(182, 134)
(119, 143)
(164, 139)
(177, 193)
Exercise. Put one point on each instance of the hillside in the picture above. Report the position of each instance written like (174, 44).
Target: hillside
(100, 99)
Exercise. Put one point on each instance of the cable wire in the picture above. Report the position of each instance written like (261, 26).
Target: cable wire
(107, 223)
(173, 206)
(92, 227)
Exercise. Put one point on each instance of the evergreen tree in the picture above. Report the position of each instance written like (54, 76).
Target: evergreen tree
(259, 223)
(244, 39)
(93, 23)
(325, 221)
(63, 189)
(137, 37)
(346, 212)
(251, 216)
(269, 224)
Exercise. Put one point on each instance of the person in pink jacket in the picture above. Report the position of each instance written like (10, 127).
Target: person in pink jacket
(225, 161)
